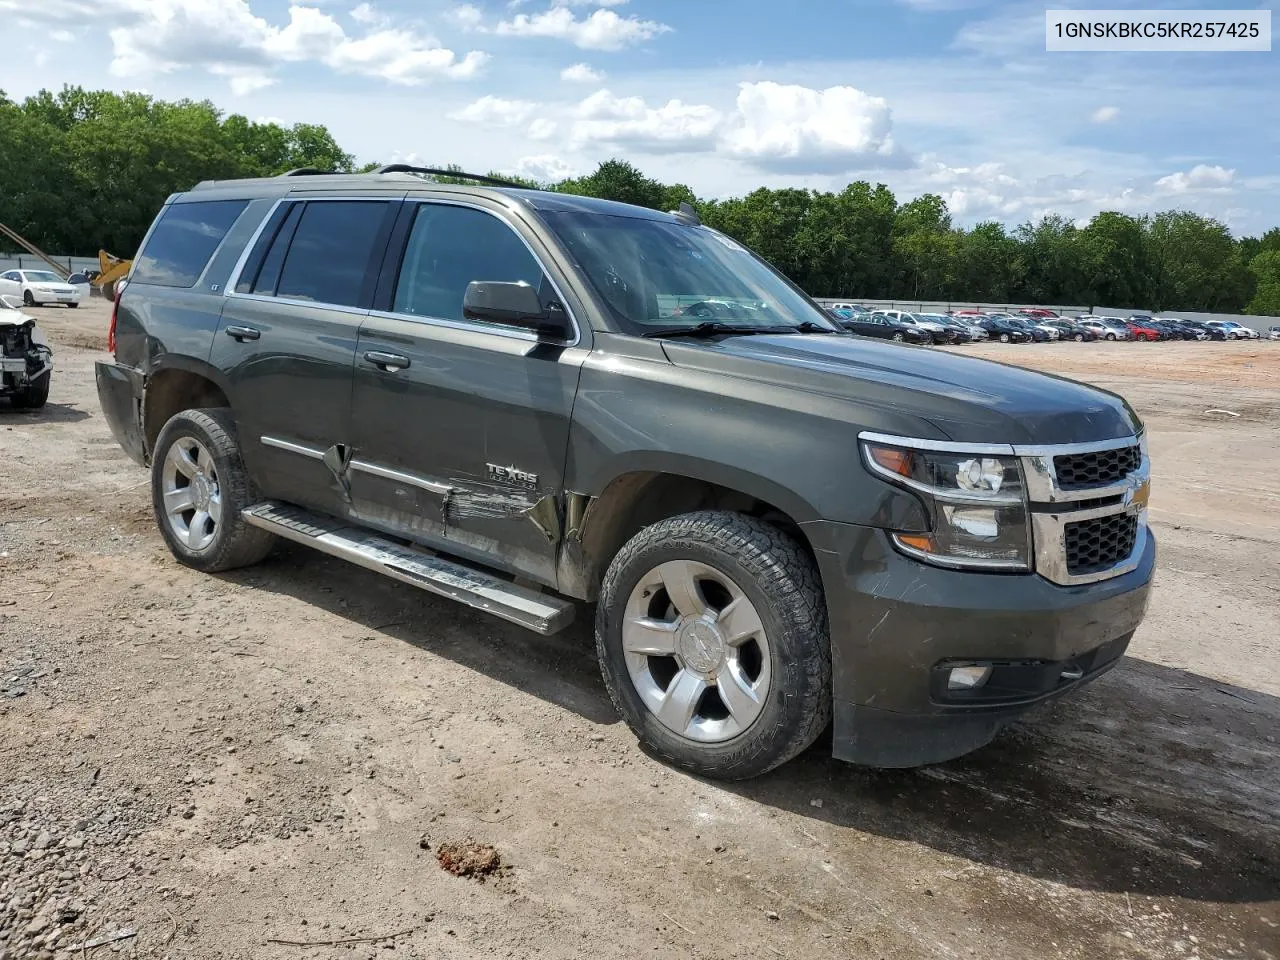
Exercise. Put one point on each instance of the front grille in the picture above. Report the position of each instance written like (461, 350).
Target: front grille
(1097, 545)
(1078, 470)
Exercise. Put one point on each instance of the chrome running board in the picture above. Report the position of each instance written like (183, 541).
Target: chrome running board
(539, 612)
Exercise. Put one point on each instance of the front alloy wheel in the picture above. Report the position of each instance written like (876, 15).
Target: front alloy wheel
(696, 651)
(711, 629)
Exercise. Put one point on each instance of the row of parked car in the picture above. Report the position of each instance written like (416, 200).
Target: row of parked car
(1032, 325)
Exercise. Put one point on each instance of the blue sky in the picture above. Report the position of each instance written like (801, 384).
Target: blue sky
(956, 97)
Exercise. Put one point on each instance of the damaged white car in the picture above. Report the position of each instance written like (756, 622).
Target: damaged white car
(26, 361)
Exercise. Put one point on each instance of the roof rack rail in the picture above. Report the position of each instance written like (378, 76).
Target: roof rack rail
(460, 175)
(307, 172)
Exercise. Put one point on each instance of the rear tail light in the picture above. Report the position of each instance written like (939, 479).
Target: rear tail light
(115, 311)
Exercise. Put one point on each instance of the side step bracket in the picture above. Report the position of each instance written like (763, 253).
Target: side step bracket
(539, 612)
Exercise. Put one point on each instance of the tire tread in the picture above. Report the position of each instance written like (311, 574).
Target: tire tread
(785, 572)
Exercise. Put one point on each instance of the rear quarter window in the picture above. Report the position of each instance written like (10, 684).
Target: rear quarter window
(183, 240)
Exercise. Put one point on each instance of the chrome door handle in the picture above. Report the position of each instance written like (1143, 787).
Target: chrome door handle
(390, 362)
(241, 334)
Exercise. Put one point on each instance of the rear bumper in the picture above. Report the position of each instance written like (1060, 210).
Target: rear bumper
(120, 396)
(898, 626)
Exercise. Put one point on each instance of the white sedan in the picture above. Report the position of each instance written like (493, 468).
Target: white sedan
(36, 287)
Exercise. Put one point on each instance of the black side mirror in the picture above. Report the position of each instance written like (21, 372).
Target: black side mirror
(516, 305)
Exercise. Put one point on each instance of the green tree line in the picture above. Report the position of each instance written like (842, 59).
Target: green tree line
(80, 170)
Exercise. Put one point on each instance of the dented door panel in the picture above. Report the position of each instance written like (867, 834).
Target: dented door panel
(464, 448)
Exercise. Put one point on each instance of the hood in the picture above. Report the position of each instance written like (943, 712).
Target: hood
(962, 398)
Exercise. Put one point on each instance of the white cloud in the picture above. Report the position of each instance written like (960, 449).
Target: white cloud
(630, 122)
(227, 39)
(73, 12)
(545, 167)
(543, 129)
(581, 73)
(798, 129)
(365, 13)
(1199, 179)
(1105, 114)
(61, 36)
(495, 112)
(601, 30)
(468, 16)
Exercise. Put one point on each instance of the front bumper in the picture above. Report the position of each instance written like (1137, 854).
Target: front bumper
(897, 625)
(120, 396)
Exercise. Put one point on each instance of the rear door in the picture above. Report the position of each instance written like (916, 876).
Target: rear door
(11, 284)
(461, 429)
(287, 341)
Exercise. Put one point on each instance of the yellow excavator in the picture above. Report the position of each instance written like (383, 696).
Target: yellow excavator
(110, 269)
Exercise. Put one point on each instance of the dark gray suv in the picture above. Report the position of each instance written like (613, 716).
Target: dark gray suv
(522, 400)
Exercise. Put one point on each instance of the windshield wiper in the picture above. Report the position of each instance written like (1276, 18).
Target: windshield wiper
(808, 326)
(713, 328)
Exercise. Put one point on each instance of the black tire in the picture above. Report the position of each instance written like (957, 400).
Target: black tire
(27, 299)
(1111, 336)
(34, 395)
(235, 543)
(1004, 338)
(782, 582)
(73, 305)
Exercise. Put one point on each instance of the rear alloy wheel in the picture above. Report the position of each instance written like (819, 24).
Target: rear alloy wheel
(711, 630)
(198, 488)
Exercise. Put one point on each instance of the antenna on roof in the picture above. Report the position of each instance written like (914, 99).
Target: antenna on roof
(687, 213)
(457, 174)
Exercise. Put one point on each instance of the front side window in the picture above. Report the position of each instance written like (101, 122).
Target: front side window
(183, 240)
(330, 252)
(657, 275)
(451, 246)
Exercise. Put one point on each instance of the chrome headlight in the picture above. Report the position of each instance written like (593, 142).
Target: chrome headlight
(977, 502)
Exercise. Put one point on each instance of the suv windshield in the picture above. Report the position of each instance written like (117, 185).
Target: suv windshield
(660, 274)
(42, 276)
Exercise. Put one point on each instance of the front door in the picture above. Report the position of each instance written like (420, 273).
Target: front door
(287, 342)
(460, 429)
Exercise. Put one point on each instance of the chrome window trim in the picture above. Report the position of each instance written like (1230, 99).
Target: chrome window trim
(401, 476)
(514, 333)
(292, 446)
(357, 312)
(234, 280)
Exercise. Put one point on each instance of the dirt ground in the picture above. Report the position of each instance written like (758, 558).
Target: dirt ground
(263, 763)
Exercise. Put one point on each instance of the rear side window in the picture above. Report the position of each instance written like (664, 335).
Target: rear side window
(183, 240)
(330, 253)
(448, 248)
